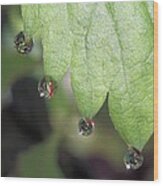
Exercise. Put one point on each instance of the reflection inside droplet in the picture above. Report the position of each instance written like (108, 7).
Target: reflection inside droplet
(133, 159)
(23, 43)
(86, 127)
(47, 87)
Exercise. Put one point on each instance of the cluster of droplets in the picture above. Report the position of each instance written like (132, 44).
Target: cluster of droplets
(47, 86)
(23, 43)
(133, 159)
(86, 126)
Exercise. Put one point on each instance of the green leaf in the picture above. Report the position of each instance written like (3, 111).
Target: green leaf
(31, 19)
(50, 23)
(131, 94)
(109, 50)
(88, 57)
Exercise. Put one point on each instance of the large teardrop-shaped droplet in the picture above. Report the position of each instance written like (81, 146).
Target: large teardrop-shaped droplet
(47, 86)
(133, 159)
(23, 43)
(86, 127)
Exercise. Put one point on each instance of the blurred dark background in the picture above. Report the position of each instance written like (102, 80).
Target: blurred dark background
(39, 138)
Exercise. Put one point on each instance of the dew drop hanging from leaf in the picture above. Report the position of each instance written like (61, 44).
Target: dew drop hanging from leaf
(47, 86)
(86, 127)
(23, 43)
(133, 159)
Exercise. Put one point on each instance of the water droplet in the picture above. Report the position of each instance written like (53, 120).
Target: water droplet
(23, 43)
(86, 127)
(46, 87)
(133, 159)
